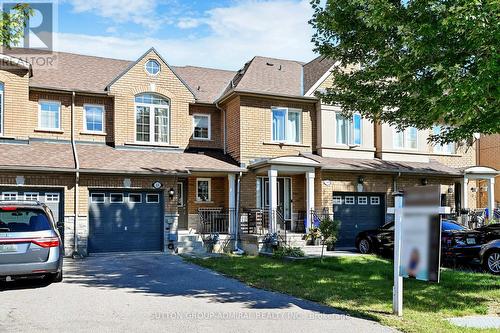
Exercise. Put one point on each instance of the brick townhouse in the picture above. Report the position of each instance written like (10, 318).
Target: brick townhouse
(144, 156)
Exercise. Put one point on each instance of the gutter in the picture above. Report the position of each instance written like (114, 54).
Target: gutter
(75, 253)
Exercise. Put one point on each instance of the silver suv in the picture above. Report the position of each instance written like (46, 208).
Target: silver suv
(30, 244)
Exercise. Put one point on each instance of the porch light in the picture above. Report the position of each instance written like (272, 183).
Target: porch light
(171, 193)
(361, 179)
(424, 181)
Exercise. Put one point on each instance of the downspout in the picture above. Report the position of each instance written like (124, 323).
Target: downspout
(237, 231)
(77, 177)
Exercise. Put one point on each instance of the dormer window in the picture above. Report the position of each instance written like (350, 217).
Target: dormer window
(152, 119)
(152, 67)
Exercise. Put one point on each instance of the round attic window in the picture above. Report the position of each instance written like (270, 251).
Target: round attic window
(152, 67)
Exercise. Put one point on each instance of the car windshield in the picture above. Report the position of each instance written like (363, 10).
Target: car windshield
(448, 225)
(14, 219)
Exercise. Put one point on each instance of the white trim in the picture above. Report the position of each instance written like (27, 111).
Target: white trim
(325, 76)
(405, 141)
(337, 200)
(16, 61)
(350, 130)
(148, 195)
(134, 202)
(40, 101)
(209, 180)
(87, 131)
(180, 194)
(57, 195)
(26, 194)
(96, 194)
(209, 116)
(364, 199)
(349, 198)
(152, 117)
(10, 193)
(2, 108)
(146, 67)
(374, 200)
(286, 141)
(116, 202)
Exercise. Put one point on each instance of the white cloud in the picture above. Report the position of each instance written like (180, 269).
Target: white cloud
(189, 23)
(235, 34)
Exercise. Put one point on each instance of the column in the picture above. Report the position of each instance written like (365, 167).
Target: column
(273, 199)
(233, 223)
(465, 185)
(310, 198)
(491, 197)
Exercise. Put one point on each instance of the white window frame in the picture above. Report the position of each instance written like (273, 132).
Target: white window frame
(363, 201)
(15, 194)
(148, 195)
(152, 117)
(406, 142)
(288, 110)
(374, 200)
(146, 67)
(26, 194)
(350, 131)
(85, 118)
(209, 180)
(2, 109)
(51, 195)
(40, 102)
(134, 202)
(446, 149)
(337, 200)
(348, 198)
(116, 202)
(180, 194)
(98, 202)
(209, 116)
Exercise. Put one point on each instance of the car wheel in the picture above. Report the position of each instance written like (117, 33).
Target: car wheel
(55, 278)
(492, 262)
(364, 246)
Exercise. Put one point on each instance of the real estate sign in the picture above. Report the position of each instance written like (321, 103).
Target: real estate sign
(421, 234)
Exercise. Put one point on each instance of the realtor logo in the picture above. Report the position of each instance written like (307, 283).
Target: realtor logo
(38, 33)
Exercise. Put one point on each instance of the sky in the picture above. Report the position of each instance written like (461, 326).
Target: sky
(210, 33)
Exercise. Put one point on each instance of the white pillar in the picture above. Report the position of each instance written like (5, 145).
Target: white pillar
(491, 197)
(310, 198)
(465, 192)
(397, 294)
(273, 199)
(233, 225)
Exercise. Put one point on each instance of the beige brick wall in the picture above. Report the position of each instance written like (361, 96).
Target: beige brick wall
(233, 128)
(465, 157)
(16, 106)
(137, 81)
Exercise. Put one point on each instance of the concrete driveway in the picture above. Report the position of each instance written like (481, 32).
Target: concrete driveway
(160, 293)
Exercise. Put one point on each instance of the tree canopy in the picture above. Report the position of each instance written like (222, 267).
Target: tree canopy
(13, 22)
(418, 63)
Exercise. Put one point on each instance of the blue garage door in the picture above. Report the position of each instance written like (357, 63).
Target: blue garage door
(124, 221)
(357, 212)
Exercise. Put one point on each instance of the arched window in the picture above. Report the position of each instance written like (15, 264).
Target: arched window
(152, 118)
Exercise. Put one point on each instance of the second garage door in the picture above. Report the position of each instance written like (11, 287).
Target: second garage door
(357, 212)
(124, 221)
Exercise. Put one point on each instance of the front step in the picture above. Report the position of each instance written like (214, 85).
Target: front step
(189, 243)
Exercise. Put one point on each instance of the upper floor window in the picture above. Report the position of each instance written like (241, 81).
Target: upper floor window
(286, 125)
(201, 126)
(1, 107)
(152, 118)
(94, 118)
(49, 115)
(448, 148)
(348, 130)
(152, 67)
(406, 139)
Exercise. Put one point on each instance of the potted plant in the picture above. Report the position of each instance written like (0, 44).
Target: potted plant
(313, 237)
(329, 230)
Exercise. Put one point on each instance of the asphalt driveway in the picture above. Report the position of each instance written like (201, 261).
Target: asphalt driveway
(160, 293)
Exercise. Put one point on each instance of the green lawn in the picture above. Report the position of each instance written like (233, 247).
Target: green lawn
(362, 286)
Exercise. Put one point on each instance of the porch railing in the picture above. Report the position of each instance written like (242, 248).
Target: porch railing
(256, 221)
(215, 220)
(317, 215)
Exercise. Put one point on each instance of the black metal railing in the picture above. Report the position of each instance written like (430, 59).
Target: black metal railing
(318, 215)
(215, 220)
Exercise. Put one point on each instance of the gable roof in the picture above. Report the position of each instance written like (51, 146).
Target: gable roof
(315, 70)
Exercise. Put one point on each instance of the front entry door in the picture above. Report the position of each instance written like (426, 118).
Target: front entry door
(182, 205)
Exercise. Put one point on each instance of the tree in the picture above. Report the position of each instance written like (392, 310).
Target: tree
(417, 62)
(13, 23)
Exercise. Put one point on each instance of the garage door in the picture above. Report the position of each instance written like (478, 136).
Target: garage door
(357, 212)
(53, 198)
(124, 221)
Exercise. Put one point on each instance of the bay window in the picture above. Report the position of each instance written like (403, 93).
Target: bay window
(286, 125)
(348, 130)
(406, 139)
(152, 118)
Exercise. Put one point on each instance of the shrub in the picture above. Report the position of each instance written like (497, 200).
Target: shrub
(288, 251)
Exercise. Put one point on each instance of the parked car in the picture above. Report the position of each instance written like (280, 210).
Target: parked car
(490, 232)
(490, 256)
(30, 245)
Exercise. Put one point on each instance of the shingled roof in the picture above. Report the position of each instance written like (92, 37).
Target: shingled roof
(314, 70)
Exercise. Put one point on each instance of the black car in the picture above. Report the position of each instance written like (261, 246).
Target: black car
(453, 235)
(490, 256)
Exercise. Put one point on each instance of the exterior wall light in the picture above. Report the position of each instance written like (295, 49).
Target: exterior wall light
(171, 193)
(424, 181)
(361, 179)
